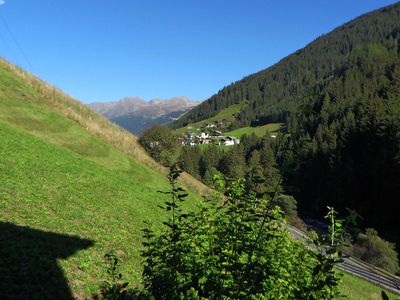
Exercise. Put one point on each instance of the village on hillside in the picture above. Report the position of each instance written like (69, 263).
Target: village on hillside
(208, 134)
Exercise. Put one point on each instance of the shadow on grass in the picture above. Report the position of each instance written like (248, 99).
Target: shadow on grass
(28, 262)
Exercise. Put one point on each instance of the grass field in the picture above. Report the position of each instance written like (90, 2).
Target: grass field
(71, 190)
(358, 289)
(56, 190)
(272, 128)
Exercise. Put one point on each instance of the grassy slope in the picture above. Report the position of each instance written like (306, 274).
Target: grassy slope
(64, 169)
(358, 289)
(227, 114)
(272, 128)
(23, 96)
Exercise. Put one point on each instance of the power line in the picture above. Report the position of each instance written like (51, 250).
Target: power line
(16, 42)
(5, 43)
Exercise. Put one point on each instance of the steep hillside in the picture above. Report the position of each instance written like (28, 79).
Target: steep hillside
(73, 186)
(134, 114)
(340, 100)
(273, 93)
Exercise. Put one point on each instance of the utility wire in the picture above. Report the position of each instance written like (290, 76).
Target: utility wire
(16, 42)
(5, 43)
(3, 38)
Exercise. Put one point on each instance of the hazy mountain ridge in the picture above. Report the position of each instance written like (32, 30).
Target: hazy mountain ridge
(136, 122)
(153, 108)
(135, 114)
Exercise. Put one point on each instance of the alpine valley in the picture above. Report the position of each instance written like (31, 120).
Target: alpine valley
(134, 114)
(336, 103)
(283, 185)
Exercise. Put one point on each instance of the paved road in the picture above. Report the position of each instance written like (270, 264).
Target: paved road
(360, 269)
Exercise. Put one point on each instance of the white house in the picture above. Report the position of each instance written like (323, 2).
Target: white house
(154, 144)
(227, 142)
(204, 135)
(235, 140)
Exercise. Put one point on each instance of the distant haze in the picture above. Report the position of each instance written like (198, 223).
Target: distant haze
(135, 114)
(152, 108)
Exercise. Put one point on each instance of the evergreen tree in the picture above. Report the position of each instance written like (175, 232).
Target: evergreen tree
(189, 160)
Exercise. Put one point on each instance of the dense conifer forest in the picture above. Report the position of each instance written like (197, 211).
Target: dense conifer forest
(340, 99)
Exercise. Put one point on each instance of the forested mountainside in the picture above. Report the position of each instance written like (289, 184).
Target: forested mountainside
(340, 99)
(276, 91)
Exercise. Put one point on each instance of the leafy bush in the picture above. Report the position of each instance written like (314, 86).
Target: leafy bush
(114, 287)
(160, 142)
(373, 249)
(209, 178)
(235, 248)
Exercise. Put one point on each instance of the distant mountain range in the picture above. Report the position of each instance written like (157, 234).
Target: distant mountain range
(135, 114)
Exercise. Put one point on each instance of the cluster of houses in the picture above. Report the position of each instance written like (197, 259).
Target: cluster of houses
(214, 137)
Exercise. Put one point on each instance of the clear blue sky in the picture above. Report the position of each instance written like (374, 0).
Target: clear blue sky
(105, 50)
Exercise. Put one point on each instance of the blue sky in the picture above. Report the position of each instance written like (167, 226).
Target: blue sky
(106, 50)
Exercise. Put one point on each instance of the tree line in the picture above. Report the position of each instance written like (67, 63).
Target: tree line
(272, 94)
(340, 99)
(274, 169)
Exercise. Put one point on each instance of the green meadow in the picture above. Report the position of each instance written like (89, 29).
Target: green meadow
(58, 177)
(272, 128)
(356, 288)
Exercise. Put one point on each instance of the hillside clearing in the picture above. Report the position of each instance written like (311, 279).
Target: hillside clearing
(227, 114)
(272, 128)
